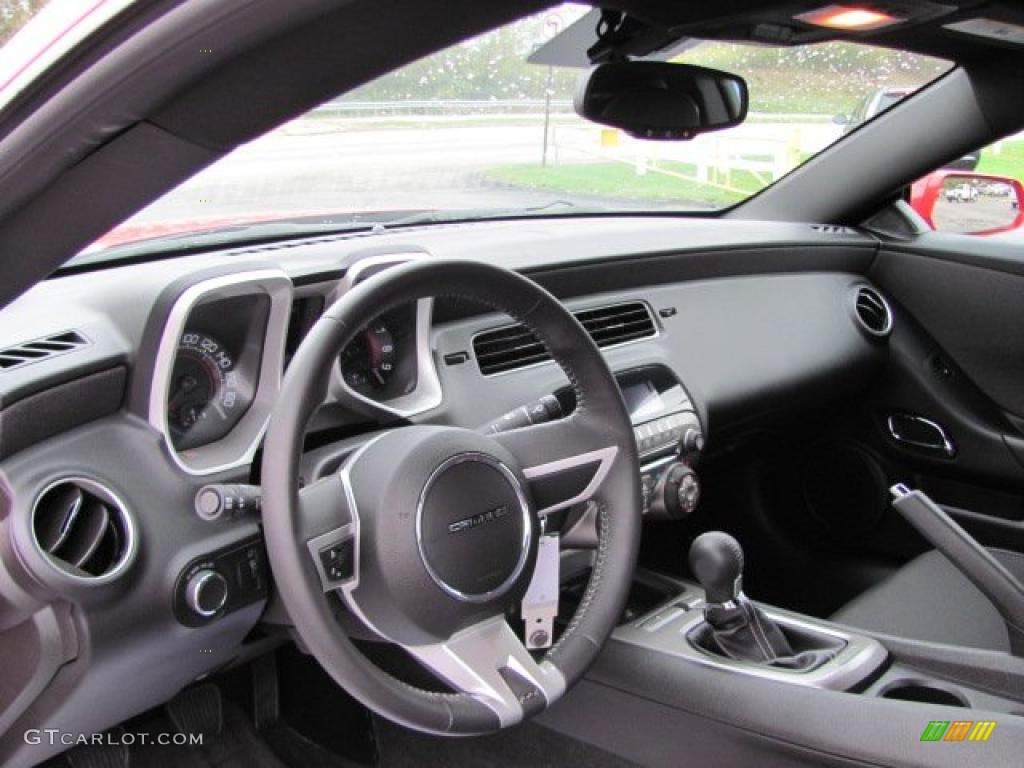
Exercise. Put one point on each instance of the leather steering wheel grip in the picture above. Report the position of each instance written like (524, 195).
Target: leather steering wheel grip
(600, 420)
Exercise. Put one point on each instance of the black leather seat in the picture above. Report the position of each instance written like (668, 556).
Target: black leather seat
(929, 599)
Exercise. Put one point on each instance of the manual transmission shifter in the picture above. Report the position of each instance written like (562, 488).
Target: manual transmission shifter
(736, 628)
(716, 559)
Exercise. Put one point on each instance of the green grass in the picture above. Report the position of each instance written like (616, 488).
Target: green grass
(621, 181)
(1009, 161)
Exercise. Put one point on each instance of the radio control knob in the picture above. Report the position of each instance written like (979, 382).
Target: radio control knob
(206, 592)
(693, 441)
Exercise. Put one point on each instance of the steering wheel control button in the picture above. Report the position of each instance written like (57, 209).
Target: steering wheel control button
(473, 527)
(206, 592)
(338, 561)
(334, 554)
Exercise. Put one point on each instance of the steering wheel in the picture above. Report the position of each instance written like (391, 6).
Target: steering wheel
(429, 534)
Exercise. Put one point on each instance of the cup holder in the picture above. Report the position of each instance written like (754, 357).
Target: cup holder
(924, 692)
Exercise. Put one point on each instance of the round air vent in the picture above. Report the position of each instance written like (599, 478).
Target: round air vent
(872, 311)
(83, 529)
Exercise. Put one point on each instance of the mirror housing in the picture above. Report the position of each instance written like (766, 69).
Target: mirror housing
(660, 100)
(969, 203)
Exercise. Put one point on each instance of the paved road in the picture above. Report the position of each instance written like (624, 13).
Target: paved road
(985, 213)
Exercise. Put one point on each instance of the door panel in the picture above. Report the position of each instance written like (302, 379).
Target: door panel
(957, 359)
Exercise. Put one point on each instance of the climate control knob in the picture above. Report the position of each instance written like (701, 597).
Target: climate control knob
(206, 592)
(676, 493)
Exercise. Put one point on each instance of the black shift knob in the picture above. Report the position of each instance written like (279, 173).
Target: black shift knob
(716, 559)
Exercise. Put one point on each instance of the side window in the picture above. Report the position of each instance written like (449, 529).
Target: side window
(979, 194)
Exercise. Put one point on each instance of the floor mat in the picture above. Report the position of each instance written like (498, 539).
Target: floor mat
(525, 745)
(238, 745)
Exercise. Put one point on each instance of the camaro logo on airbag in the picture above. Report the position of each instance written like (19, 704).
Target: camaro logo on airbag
(476, 520)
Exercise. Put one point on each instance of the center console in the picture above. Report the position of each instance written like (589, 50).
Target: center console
(717, 625)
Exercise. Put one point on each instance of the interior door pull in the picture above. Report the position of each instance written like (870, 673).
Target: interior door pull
(919, 432)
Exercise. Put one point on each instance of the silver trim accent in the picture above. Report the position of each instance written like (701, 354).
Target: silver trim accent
(427, 394)
(885, 303)
(606, 457)
(237, 448)
(195, 586)
(573, 310)
(102, 492)
(947, 446)
(524, 508)
(469, 661)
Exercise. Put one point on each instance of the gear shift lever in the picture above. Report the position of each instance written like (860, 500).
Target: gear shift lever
(716, 559)
(738, 629)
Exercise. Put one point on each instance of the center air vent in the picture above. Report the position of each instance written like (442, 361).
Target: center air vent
(873, 311)
(514, 346)
(83, 529)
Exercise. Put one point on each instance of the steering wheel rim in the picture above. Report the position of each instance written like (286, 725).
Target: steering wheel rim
(589, 455)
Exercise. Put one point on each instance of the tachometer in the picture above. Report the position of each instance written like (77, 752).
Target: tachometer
(204, 401)
(369, 360)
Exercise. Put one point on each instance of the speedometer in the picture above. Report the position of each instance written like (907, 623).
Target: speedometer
(204, 400)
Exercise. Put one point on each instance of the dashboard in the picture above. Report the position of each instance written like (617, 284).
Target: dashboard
(709, 326)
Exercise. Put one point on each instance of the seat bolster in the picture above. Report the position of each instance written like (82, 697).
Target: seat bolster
(929, 599)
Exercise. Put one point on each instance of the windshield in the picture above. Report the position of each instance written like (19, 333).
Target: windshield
(34, 34)
(478, 131)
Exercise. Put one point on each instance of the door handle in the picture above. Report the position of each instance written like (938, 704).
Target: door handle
(919, 432)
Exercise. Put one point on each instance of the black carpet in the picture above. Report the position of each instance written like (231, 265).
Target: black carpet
(525, 745)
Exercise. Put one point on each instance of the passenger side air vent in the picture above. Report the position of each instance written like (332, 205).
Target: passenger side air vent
(873, 311)
(83, 529)
(514, 346)
(40, 349)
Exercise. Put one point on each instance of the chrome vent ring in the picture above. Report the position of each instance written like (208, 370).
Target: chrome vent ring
(83, 529)
(872, 311)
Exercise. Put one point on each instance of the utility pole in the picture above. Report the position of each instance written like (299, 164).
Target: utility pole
(547, 115)
(553, 25)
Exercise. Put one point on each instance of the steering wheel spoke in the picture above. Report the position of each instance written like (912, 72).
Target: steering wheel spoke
(560, 462)
(327, 524)
(488, 662)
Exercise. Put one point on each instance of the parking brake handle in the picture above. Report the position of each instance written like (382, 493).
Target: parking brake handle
(973, 560)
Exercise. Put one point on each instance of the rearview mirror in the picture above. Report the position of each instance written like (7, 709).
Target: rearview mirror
(659, 100)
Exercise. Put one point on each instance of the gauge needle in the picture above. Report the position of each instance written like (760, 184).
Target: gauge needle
(379, 378)
(220, 410)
